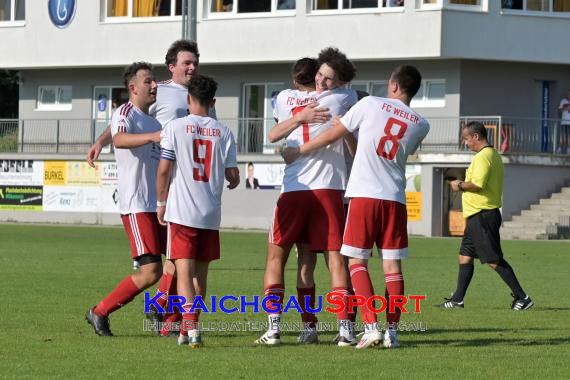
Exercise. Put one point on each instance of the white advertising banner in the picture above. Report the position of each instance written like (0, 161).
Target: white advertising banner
(21, 172)
(71, 198)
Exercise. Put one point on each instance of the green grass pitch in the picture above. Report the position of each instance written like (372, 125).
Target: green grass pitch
(51, 275)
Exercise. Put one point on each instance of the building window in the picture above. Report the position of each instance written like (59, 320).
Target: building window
(430, 94)
(12, 11)
(354, 4)
(257, 102)
(143, 8)
(54, 98)
(465, 2)
(456, 4)
(250, 6)
(375, 88)
(537, 5)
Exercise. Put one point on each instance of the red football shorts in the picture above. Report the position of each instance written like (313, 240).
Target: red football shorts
(145, 234)
(192, 243)
(313, 217)
(377, 221)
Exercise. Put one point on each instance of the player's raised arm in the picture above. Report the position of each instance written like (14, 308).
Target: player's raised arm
(337, 131)
(103, 140)
(125, 140)
(311, 113)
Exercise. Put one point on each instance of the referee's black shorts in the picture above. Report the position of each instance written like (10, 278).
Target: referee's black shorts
(481, 238)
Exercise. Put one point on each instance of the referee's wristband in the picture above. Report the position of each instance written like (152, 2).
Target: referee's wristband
(160, 203)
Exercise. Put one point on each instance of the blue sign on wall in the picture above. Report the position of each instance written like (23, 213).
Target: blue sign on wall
(61, 12)
(545, 115)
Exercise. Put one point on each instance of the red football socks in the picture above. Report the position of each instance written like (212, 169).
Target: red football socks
(120, 296)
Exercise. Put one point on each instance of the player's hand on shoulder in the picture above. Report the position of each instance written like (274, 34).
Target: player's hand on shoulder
(312, 113)
(290, 154)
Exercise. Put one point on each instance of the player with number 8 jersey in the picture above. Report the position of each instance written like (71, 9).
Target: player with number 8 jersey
(388, 132)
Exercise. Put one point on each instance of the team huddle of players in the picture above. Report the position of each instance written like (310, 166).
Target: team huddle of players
(173, 157)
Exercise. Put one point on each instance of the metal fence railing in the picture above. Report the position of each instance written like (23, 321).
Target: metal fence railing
(510, 135)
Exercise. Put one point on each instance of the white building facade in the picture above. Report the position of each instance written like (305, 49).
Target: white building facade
(504, 58)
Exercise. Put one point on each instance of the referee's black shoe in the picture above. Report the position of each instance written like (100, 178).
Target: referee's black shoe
(100, 324)
(522, 304)
(450, 304)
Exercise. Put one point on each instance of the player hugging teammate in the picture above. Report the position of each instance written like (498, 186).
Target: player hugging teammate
(181, 196)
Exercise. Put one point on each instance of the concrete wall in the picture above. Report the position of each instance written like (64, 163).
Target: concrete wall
(510, 88)
(505, 36)
(527, 184)
(241, 209)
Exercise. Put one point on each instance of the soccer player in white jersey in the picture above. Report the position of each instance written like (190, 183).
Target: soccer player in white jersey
(310, 207)
(198, 152)
(182, 59)
(135, 136)
(389, 131)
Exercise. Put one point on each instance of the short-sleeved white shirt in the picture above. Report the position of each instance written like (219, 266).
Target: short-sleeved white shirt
(388, 132)
(201, 148)
(137, 167)
(326, 167)
(171, 102)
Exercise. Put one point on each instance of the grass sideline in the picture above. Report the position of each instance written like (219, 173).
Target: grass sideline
(52, 275)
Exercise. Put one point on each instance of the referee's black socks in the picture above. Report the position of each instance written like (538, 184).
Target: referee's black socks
(463, 280)
(508, 275)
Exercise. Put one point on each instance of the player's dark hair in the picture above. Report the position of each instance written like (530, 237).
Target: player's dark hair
(202, 88)
(250, 164)
(408, 78)
(304, 71)
(177, 47)
(338, 62)
(132, 70)
(476, 127)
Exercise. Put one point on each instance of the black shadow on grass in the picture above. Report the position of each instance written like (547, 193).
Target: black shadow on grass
(488, 342)
(481, 330)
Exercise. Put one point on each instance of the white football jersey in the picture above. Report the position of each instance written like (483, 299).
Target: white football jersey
(388, 132)
(171, 102)
(324, 168)
(201, 148)
(137, 167)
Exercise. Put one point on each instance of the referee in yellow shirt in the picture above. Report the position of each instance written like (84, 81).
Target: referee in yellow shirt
(482, 191)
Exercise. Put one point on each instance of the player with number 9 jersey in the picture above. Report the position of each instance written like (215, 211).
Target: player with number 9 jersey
(201, 148)
(198, 153)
